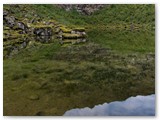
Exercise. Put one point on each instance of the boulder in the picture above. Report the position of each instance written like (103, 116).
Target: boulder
(43, 31)
(10, 21)
(22, 26)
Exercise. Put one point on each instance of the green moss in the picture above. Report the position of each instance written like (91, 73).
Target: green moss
(12, 34)
(40, 26)
(71, 36)
(6, 28)
(79, 29)
(65, 30)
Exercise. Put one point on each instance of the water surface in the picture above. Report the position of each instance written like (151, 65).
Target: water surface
(133, 106)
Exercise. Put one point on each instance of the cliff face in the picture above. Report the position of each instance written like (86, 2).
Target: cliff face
(86, 9)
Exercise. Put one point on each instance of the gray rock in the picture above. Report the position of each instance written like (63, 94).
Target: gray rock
(24, 44)
(10, 21)
(22, 26)
(5, 13)
(43, 31)
(38, 31)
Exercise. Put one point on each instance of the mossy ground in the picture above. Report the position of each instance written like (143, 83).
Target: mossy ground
(49, 79)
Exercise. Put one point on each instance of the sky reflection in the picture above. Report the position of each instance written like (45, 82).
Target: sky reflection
(133, 106)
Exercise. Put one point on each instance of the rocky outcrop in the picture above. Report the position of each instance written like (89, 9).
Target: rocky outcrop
(71, 35)
(43, 31)
(13, 23)
(86, 9)
(17, 33)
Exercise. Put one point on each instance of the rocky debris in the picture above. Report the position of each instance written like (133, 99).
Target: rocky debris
(13, 23)
(43, 31)
(86, 9)
(43, 28)
(16, 30)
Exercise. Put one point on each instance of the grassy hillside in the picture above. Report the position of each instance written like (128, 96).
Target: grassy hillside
(104, 23)
(135, 13)
(116, 62)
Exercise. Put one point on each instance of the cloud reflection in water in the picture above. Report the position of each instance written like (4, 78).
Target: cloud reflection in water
(133, 106)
